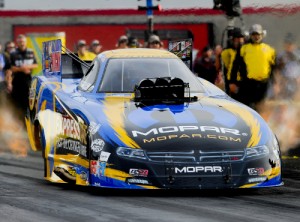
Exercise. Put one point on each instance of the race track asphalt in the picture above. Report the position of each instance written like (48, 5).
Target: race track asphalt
(26, 196)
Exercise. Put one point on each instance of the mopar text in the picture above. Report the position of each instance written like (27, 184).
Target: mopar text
(199, 169)
(174, 129)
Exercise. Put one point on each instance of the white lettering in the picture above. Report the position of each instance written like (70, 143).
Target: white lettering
(233, 131)
(135, 133)
(183, 128)
(168, 129)
(104, 156)
(209, 128)
(172, 129)
(198, 169)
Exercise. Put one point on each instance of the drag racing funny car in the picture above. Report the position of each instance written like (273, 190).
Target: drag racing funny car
(140, 119)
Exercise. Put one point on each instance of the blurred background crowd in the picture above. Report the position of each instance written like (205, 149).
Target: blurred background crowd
(246, 68)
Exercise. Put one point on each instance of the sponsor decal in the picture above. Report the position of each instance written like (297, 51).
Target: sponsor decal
(83, 175)
(93, 128)
(68, 127)
(199, 169)
(138, 181)
(24, 62)
(138, 172)
(174, 129)
(97, 184)
(185, 136)
(71, 145)
(32, 94)
(257, 179)
(185, 132)
(104, 156)
(98, 168)
(97, 145)
(256, 171)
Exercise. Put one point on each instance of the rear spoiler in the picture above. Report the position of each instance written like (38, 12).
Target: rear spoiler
(59, 62)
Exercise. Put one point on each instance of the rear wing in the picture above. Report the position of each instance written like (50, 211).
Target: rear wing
(58, 62)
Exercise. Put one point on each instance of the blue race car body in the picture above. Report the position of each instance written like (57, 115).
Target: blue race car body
(140, 119)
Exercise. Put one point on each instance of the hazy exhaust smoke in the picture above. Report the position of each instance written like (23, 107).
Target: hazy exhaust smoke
(13, 136)
(281, 110)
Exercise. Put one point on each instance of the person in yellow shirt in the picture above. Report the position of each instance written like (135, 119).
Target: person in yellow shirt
(83, 52)
(236, 40)
(255, 62)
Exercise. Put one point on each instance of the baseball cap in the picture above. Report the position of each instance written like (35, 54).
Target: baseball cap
(256, 28)
(133, 42)
(95, 42)
(123, 38)
(154, 38)
(81, 42)
(237, 33)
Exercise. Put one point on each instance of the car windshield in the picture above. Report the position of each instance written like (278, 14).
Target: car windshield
(121, 75)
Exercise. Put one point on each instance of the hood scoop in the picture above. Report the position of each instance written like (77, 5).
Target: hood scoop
(167, 90)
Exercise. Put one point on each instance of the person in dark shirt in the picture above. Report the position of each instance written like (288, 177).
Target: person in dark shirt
(205, 66)
(2, 65)
(23, 61)
(9, 48)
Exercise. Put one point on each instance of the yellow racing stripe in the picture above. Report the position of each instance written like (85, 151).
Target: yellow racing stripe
(115, 113)
(247, 117)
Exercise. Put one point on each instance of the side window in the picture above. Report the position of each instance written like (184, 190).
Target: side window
(88, 81)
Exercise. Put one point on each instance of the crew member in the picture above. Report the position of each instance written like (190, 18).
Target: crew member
(122, 42)
(154, 42)
(205, 66)
(9, 48)
(23, 61)
(2, 72)
(133, 42)
(95, 47)
(236, 40)
(288, 66)
(255, 64)
(83, 52)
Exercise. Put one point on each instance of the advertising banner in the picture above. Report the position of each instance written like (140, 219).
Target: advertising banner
(35, 42)
(51, 59)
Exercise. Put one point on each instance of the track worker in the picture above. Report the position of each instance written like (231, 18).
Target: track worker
(255, 63)
(237, 39)
(23, 61)
(83, 52)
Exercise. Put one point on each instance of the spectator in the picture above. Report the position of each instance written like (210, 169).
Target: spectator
(255, 62)
(133, 42)
(219, 79)
(9, 48)
(237, 39)
(95, 47)
(154, 42)
(205, 65)
(83, 52)
(23, 61)
(288, 65)
(2, 65)
(122, 42)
